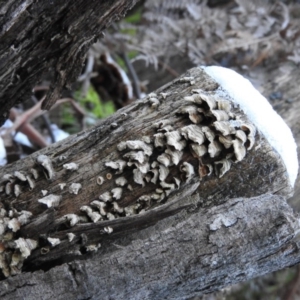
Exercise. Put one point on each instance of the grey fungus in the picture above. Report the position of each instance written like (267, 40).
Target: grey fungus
(30, 181)
(159, 140)
(17, 190)
(224, 127)
(14, 224)
(198, 150)
(117, 193)
(71, 166)
(117, 208)
(34, 173)
(220, 115)
(214, 149)
(94, 216)
(193, 133)
(175, 155)
(174, 139)
(25, 246)
(47, 166)
(100, 206)
(50, 200)
(70, 236)
(74, 188)
(226, 141)
(163, 172)
(121, 181)
(73, 219)
(225, 167)
(44, 192)
(53, 241)
(164, 159)
(241, 135)
(239, 149)
(188, 169)
(138, 177)
(20, 175)
(62, 185)
(106, 197)
(108, 229)
(93, 247)
(117, 165)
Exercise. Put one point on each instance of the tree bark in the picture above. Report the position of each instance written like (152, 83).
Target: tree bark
(172, 240)
(48, 36)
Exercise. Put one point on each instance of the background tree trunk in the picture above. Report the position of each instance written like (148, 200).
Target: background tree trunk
(48, 37)
(204, 235)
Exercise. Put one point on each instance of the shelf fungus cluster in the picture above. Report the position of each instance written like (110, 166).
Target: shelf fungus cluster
(14, 184)
(13, 251)
(210, 135)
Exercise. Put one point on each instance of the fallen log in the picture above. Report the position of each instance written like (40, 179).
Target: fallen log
(176, 195)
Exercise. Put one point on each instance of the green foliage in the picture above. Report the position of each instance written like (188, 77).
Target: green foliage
(93, 104)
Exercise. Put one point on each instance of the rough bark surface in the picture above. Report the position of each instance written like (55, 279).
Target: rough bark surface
(208, 232)
(41, 36)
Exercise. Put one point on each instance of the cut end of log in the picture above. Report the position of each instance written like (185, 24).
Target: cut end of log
(260, 113)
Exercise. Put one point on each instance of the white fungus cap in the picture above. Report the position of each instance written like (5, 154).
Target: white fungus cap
(260, 113)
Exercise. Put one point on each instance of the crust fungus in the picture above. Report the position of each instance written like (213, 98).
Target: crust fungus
(47, 166)
(214, 148)
(20, 175)
(24, 217)
(53, 241)
(198, 150)
(226, 164)
(25, 246)
(106, 197)
(73, 219)
(188, 169)
(17, 190)
(117, 208)
(159, 140)
(94, 216)
(138, 156)
(30, 181)
(50, 200)
(140, 145)
(163, 172)
(164, 159)
(226, 141)
(121, 181)
(224, 127)
(74, 188)
(71, 166)
(117, 165)
(100, 205)
(34, 173)
(117, 193)
(70, 236)
(239, 149)
(108, 229)
(44, 192)
(138, 177)
(174, 139)
(193, 133)
(62, 185)
(93, 247)
(175, 155)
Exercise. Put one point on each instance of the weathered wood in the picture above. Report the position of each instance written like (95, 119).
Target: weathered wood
(48, 36)
(203, 227)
